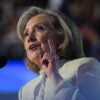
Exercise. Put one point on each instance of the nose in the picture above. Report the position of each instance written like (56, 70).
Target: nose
(31, 37)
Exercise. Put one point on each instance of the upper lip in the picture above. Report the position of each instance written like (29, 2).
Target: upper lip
(33, 45)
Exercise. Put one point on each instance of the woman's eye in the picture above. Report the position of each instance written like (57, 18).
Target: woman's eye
(40, 28)
(26, 34)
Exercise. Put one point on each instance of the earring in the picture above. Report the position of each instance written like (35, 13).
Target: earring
(59, 32)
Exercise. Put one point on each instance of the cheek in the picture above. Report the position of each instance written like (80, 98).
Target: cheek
(44, 42)
(33, 56)
(43, 38)
(26, 47)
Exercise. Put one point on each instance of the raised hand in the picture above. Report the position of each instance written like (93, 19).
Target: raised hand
(50, 62)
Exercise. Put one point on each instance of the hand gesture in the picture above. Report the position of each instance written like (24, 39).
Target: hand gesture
(50, 60)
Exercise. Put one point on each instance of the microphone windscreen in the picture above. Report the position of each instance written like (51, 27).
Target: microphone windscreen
(3, 61)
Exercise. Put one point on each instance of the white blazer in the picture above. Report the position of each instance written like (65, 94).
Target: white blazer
(81, 81)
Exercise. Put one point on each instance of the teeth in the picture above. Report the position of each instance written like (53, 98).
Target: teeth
(32, 46)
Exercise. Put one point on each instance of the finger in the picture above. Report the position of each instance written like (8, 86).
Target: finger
(40, 54)
(45, 60)
(47, 56)
(52, 47)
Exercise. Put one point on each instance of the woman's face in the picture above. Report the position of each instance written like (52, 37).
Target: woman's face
(36, 34)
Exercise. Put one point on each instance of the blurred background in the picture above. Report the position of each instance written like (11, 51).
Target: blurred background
(84, 13)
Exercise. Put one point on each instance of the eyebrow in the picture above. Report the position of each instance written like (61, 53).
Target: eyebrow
(26, 29)
(46, 24)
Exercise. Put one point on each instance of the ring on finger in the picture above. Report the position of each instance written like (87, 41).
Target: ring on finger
(49, 55)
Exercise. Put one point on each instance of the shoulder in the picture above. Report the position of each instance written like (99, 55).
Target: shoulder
(31, 83)
(71, 68)
(28, 89)
(88, 79)
(92, 66)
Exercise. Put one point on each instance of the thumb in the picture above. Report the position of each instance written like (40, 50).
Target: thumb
(45, 64)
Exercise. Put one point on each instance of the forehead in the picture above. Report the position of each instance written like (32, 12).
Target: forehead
(41, 18)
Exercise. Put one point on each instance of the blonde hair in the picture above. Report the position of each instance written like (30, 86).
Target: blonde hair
(70, 48)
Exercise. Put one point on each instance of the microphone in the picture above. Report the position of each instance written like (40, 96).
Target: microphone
(3, 61)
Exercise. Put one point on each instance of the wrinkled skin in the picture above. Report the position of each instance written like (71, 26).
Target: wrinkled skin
(39, 42)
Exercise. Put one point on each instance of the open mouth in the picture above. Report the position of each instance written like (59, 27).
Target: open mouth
(33, 47)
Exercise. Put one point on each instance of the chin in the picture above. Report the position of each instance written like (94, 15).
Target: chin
(34, 56)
